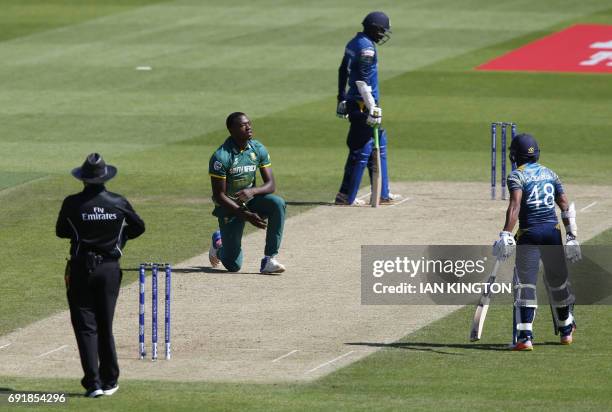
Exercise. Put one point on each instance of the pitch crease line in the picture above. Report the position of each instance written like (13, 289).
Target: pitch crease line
(400, 202)
(588, 206)
(285, 355)
(331, 361)
(5, 346)
(51, 351)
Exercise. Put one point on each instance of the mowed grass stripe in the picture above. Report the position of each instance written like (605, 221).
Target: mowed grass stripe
(24, 18)
(15, 178)
(433, 369)
(280, 132)
(108, 130)
(429, 364)
(114, 131)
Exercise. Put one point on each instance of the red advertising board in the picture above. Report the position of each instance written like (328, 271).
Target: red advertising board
(579, 48)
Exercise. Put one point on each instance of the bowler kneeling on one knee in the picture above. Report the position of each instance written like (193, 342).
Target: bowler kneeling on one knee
(238, 199)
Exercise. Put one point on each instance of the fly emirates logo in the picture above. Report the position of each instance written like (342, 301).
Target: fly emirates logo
(98, 213)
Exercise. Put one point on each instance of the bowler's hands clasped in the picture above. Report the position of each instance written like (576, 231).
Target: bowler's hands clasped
(253, 218)
(245, 195)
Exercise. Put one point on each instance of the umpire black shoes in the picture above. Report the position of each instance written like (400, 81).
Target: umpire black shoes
(94, 393)
(110, 389)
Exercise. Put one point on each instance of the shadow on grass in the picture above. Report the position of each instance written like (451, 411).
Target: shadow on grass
(438, 347)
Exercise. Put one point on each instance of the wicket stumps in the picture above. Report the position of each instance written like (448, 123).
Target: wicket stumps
(154, 312)
(504, 146)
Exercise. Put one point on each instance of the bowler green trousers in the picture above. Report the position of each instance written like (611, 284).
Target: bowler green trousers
(267, 206)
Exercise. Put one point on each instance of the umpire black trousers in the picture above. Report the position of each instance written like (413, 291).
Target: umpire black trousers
(92, 297)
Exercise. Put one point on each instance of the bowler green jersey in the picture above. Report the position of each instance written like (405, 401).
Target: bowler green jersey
(238, 167)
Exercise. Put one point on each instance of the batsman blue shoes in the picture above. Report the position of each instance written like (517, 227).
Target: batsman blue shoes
(270, 265)
(214, 248)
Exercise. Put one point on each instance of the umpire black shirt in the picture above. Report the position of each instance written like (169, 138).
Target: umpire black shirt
(99, 221)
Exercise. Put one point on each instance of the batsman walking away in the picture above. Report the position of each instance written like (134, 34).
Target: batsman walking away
(360, 104)
(534, 191)
(238, 199)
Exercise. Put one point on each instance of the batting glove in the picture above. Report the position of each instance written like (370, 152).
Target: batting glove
(572, 248)
(375, 117)
(504, 247)
(341, 110)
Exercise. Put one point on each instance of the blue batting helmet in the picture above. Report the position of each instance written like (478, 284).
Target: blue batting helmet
(377, 24)
(524, 149)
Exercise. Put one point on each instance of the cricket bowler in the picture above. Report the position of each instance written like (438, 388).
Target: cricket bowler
(238, 199)
(534, 191)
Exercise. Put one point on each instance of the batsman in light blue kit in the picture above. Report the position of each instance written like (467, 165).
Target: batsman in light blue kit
(534, 192)
(360, 63)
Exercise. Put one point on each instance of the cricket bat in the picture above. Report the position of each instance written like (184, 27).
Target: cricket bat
(376, 174)
(483, 307)
(366, 94)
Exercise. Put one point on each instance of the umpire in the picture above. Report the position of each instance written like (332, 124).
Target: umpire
(98, 224)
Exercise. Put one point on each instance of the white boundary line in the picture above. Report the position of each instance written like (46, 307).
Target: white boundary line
(51, 351)
(18, 186)
(285, 355)
(588, 206)
(5, 346)
(331, 361)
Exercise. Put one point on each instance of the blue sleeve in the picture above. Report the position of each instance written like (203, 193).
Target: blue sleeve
(342, 78)
(365, 62)
(514, 181)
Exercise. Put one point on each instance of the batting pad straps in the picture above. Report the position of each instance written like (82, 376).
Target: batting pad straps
(525, 295)
(524, 326)
(567, 321)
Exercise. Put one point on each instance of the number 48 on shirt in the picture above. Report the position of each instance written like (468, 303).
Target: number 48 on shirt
(548, 196)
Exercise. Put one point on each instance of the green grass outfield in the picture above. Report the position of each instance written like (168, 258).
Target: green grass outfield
(432, 369)
(69, 87)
